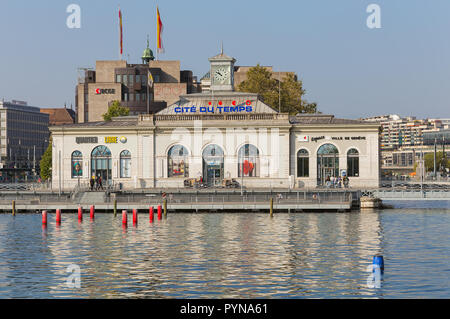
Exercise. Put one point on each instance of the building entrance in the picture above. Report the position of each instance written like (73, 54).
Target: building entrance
(101, 164)
(213, 165)
(327, 163)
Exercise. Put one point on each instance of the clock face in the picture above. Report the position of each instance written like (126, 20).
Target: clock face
(221, 75)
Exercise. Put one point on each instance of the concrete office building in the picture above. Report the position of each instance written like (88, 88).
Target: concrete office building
(217, 135)
(24, 138)
(127, 83)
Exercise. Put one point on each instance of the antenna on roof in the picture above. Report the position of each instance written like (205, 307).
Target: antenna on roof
(221, 48)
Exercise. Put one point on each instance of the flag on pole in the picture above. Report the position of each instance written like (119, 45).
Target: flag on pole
(159, 30)
(150, 79)
(121, 32)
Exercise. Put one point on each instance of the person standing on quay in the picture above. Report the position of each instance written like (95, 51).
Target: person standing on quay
(91, 183)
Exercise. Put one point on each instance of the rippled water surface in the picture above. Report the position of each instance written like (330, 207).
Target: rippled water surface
(310, 255)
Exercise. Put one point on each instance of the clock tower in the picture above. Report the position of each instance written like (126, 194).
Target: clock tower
(222, 72)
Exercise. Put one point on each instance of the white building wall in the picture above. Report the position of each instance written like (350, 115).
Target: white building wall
(277, 148)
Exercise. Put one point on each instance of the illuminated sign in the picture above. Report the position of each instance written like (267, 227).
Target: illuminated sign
(111, 139)
(123, 139)
(220, 108)
(105, 91)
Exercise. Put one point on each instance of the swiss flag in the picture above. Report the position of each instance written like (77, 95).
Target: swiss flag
(303, 138)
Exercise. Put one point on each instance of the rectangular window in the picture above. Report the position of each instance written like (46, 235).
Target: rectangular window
(125, 80)
(138, 97)
(143, 79)
(118, 78)
(303, 167)
(156, 78)
(353, 166)
(138, 78)
(125, 97)
(131, 79)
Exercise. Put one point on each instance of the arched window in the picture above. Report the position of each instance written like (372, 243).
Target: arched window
(178, 161)
(77, 164)
(125, 164)
(101, 162)
(303, 163)
(327, 163)
(353, 163)
(248, 161)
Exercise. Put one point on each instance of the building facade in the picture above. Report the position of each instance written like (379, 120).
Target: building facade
(217, 136)
(24, 138)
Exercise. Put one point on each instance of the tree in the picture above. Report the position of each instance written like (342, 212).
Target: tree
(116, 109)
(429, 161)
(260, 80)
(46, 162)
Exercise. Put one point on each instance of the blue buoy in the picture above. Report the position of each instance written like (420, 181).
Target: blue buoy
(378, 262)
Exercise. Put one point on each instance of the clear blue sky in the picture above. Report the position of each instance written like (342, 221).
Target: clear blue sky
(348, 69)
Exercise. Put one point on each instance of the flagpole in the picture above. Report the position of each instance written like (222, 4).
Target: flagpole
(148, 96)
(157, 26)
(120, 34)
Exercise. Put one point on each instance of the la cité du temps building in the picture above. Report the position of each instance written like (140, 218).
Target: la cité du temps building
(217, 135)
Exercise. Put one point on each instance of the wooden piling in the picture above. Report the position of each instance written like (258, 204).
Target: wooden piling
(115, 207)
(14, 208)
(271, 207)
(165, 208)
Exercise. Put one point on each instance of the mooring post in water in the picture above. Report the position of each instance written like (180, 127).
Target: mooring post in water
(271, 207)
(115, 207)
(151, 214)
(92, 211)
(159, 212)
(165, 208)
(58, 216)
(124, 217)
(14, 208)
(135, 217)
(80, 213)
(378, 261)
(44, 217)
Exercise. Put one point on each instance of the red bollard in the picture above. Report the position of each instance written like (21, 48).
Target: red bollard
(151, 214)
(159, 212)
(44, 217)
(124, 217)
(58, 216)
(92, 212)
(135, 217)
(80, 213)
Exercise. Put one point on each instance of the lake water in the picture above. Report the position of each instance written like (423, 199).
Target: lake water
(307, 255)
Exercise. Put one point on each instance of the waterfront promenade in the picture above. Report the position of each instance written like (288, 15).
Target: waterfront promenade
(211, 199)
(183, 200)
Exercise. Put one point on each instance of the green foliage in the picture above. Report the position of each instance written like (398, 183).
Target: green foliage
(429, 161)
(46, 163)
(260, 80)
(116, 109)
